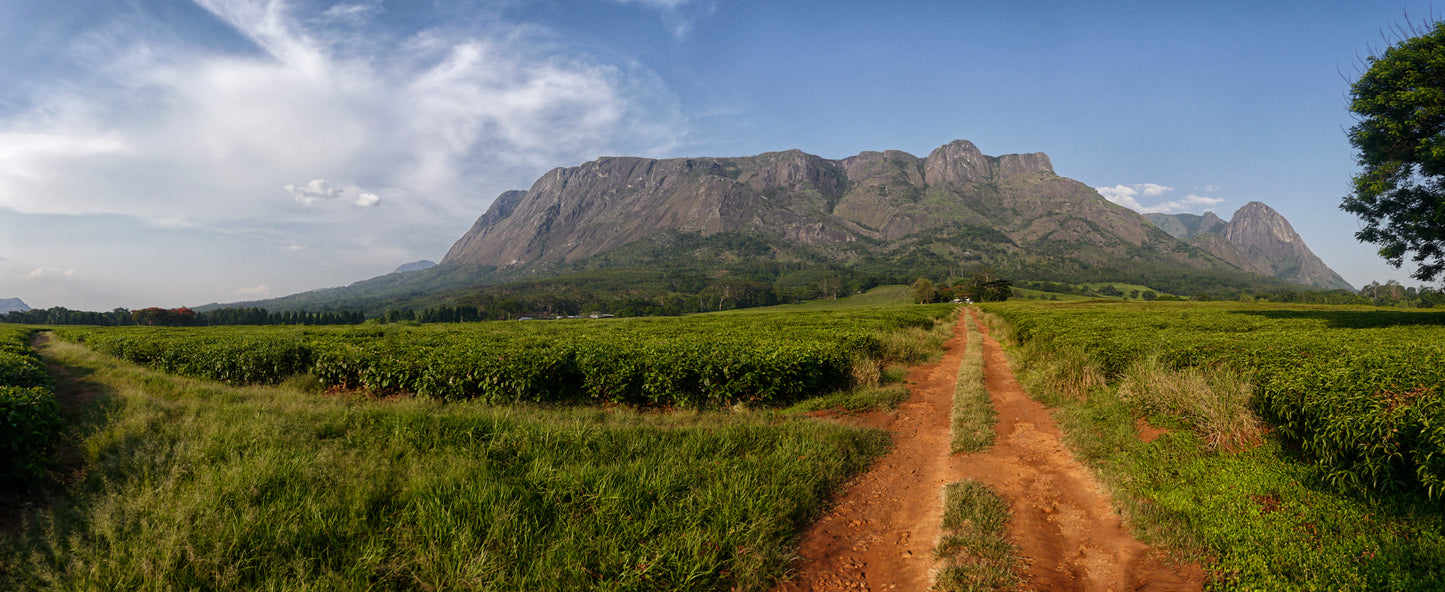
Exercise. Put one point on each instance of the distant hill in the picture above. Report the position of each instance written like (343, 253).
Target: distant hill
(13, 305)
(1256, 239)
(788, 222)
(415, 266)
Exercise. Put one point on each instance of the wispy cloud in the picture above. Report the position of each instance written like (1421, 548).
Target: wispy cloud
(679, 16)
(50, 272)
(1128, 196)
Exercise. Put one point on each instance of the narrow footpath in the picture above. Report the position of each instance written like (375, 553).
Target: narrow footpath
(881, 534)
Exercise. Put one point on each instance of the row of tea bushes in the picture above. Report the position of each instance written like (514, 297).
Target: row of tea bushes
(30, 422)
(698, 361)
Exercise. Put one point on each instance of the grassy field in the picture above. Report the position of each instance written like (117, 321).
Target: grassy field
(1246, 480)
(174, 482)
(187, 484)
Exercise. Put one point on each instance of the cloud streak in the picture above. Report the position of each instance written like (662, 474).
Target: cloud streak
(679, 16)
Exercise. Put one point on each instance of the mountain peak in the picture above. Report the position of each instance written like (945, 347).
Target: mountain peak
(13, 305)
(960, 161)
(415, 266)
(1255, 222)
(1257, 239)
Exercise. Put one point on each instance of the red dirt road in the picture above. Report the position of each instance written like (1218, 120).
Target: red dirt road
(881, 534)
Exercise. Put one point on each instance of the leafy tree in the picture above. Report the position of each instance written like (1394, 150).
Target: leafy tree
(984, 285)
(923, 291)
(1400, 142)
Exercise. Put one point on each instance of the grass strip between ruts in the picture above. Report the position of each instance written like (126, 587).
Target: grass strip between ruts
(975, 549)
(973, 415)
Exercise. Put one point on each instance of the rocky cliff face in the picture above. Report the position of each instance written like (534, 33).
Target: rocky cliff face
(1256, 239)
(957, 204)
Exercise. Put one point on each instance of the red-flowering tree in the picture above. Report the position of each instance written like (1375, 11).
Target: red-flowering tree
(163, 317)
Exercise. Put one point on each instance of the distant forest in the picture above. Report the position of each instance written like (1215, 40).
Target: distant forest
(225, 316)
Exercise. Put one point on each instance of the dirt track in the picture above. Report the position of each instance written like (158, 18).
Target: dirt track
(881, 534)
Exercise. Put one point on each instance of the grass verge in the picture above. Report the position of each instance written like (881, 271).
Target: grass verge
(976, 553)
(189, 484)
(973, 415)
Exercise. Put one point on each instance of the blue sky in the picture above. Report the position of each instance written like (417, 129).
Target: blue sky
(168, 152)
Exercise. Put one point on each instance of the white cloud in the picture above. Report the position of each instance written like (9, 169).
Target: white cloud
(261, 290)
(1152, 189)
(1192, 201)
(1121, 194)
(1127, 196)
(311, 192)
(367, 200)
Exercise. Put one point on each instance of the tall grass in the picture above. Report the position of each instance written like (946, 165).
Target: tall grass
(973, 415)
(193, 485)
(1215, 402)
(1058, 374)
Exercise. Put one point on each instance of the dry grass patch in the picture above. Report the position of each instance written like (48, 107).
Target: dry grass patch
(1215, 401)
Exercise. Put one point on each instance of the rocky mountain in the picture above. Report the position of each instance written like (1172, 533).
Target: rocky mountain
(883, 210)
(1257, 239)
(415, 266)
(648, 234)
(13, 305)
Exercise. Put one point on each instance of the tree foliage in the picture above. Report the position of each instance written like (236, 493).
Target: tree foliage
(985, 285)
(923, 291)
(1400, 142)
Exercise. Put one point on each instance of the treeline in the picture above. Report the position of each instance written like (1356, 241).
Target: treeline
(1390, 293)
(60, 315)
(261, 316)
(183, 317)
(562, 300)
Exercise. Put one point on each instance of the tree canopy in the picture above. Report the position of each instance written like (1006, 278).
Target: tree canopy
(1400, 141)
